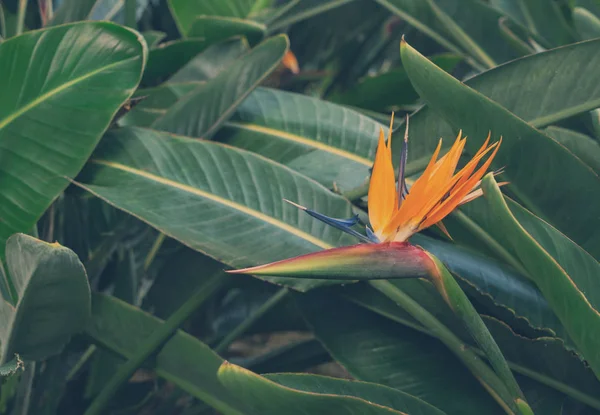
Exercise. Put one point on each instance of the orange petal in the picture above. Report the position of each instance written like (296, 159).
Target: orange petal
(290, 62)
(426, 193)
(448, 205)
(382, 188)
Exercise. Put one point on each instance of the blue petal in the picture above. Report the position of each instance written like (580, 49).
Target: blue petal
(372, 236)
(341, 224)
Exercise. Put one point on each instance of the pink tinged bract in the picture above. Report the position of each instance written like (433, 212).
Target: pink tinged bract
(356, 262)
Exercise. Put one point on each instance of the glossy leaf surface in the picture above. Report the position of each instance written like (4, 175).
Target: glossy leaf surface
(200, 114)
(51, 121)
(53, 299)
(548, 194)
(182, 188)
(566, 276)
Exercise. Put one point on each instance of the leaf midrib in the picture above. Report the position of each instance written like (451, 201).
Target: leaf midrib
(225, 202)
(300, 140)
(34, 103)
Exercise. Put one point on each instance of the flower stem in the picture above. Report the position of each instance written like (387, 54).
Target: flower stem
(474, 363)
(462, 307)
(21, 17)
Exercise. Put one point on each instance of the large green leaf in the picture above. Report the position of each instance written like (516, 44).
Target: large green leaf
(191, 365)
(156, 102)
(53, 299)
(543, 19)
(298, 10)
(211, 62)
(60, 89)
(371, 392)
(225, 202)
(550, 99)
(185, 11)
(475, 27)
(76, 10)
(266, 396)
(184, 360)
(167, 58)
(327, 142)
(216, 28)
(375, 349)
(546, 189)
(199, 114)
(565, 273)
(583, 146)
(586, 23)
(389, 89)
(544, 359)
(487, 279)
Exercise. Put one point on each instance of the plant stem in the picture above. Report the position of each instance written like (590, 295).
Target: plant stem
(154, 343)
(81, 362)
(462, 307)
(130, 13)
(247, 323)
(21, 17)
(154, 250)
(476, 365)
(49, 10)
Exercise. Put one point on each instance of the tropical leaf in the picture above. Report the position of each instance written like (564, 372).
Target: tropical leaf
(583, 146)
(543, 19)
(544, 359)
(324, 141)
(167, 58)
(265, 396)
(75, 10)
(185, 12)
(216, 28)
(52, 299)
(491, 280)
(121, 327)
(548, 195)
(389, 89)
(586, 23)
(211, 62)
(196, 114)
(374, 349)
(155, 102)
(564, 272)
(94, 68)
(296, 11)
(218, 211)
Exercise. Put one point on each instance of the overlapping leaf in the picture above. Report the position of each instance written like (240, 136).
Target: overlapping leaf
(185, 11)
(52, 299)
(327, 142)
(583, 146)
(51, 119)
(225, 202)
(374, 349)
(565, 273)
(191, 365)
(199, 114)
(545, 359)
(546, 186)
(216, 28)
